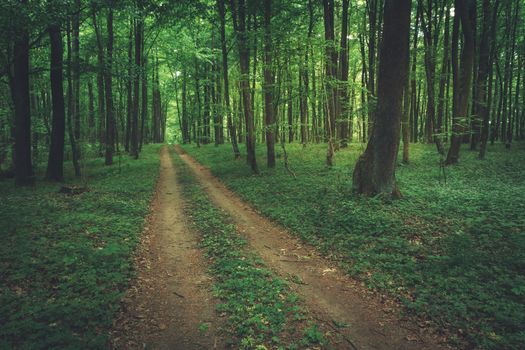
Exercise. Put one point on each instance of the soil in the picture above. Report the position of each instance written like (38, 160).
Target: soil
(363, 318)
(170, 304)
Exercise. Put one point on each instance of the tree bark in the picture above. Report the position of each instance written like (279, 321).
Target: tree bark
(374, 172)
(20, 94)
(231, 126)
(108, 79)
(239, 20)
(269, 81)
(55, 162)
(463, 87)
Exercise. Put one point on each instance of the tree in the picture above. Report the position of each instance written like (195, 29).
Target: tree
(374, 172)
(239, 23)
(462, 84)
(20, 95)
(269, 80)
(56, 150)
(108, 79)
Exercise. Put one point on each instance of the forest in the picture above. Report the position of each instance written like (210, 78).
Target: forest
(262, 174)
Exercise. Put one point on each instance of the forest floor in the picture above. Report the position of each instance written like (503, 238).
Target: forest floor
(331, 297)
(450, 251)
(170, 304)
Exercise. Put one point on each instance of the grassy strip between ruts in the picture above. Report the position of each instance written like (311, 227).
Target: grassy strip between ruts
(262, 311)
(65, 260)
(452, 252)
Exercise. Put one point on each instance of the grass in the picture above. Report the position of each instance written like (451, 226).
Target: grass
(65, 260)
(262, 311)
(453, 252)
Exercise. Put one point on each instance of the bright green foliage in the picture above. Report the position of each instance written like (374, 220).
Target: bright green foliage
(260, 306)
(453, 252)
(66, 260)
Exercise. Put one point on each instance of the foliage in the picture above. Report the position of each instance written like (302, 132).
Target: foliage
(66, 259)
(260, 306)
(452, 253)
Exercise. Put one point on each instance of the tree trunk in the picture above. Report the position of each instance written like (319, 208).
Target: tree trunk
(136, 90)
(463, 88)
(343, 79)
(231, 126)
(108, 79)
(330, 76)
(129, 84)
(75, 150)
(239, 20)
(20, 94)
(374, 172)
(269, 81)
(55, 162)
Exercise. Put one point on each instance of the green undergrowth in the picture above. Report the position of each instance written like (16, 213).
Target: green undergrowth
(65, 260)
(262, 311)
(452, 252)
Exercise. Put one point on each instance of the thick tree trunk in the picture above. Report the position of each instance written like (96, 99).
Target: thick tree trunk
(463, 88)
(20, 94)
(244, 57)
(374, 172)
(55, 162)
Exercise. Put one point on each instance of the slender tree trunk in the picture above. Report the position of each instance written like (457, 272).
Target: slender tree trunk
(136, 90)
(55, 162)
(488, 35)
(443, 77)
(100, 79)
(71, 106)
(129, 84)
(269, 81)
(91, 113)
(231, 126)
(374, 172)
(330, 76)
(343, 79)
(108, 79)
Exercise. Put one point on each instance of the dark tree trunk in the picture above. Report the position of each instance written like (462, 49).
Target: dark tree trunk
(443, 77)
(231, 126)
(136, 90)
(55, 163)
(343, 79)
(374, 172)
(269, 81)
(100, 79)
(239, 20)
(75, 149)
(488, 37)
(129, 84)
(462, 88)
(108, 79)
(20, 94)
(331, 75)
(75, 46)
(91, 113)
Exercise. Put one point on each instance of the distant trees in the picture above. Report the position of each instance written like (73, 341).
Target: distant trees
(245, 72)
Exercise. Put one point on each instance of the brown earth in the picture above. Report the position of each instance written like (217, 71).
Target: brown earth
(364, 319)
(170, 304)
